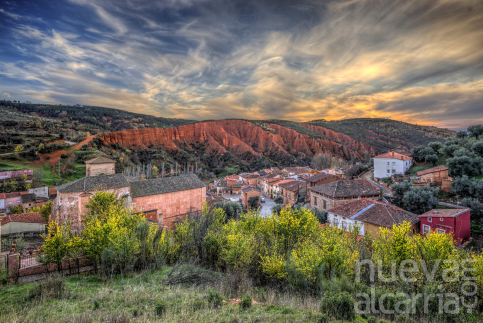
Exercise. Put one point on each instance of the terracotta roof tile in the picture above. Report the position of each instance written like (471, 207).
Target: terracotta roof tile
(293, 185)
(443, 213)
(321, 176)
(394, 155)
(250, 188)
(432, 170)
(34, 217)
(94, 183)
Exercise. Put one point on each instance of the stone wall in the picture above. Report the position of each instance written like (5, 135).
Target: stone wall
(171, 205)
(97, 169)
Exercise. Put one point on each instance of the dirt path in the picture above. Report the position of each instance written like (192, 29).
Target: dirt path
(54, 156)
(368, 177)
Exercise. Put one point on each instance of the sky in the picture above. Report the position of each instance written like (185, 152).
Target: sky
(419, 61)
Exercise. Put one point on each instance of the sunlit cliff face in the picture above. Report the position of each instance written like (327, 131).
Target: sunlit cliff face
(411, 60)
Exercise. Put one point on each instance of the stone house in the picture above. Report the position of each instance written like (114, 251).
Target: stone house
(322, 178)
(327, 196)
(171, 198)
(276, 190)
(433, 175)
(248, 192)
(369, 216)
(30, 201)
(293, 191)
(267, 182)
(72, 198)
(100, 165)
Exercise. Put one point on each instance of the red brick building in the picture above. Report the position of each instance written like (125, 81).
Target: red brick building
(435, 174)
(454, 221)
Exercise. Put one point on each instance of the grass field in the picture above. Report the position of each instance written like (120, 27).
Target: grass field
(441, 161)
(146, 298)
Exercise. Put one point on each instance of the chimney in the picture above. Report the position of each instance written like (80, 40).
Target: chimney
(393, 153)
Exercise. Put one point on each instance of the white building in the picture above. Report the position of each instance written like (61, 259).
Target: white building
(391, 163)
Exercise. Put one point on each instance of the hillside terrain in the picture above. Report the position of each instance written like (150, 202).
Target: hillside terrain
(383, 134)
(218, 146)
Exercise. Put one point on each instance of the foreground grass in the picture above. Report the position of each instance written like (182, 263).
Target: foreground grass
(146, 298)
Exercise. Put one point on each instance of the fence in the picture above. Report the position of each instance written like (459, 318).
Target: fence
(28, 260)
(6, 245)
(3, 261)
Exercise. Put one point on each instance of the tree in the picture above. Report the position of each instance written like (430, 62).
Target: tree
(420, 200)
(432, 159)
(155, 171)
(436, 146)
(476, 130)
(477, 148)
(399, 190)
(253, 201)
(448, 150)
(420, 153)
(464, 165)
(461, 134)
(18, 150)
(46, 210)
(278, 200)
(463, 186)
(464, 152)
(16, 209)
(321, 215)
(232, 209)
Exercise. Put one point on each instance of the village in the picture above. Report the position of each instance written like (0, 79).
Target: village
(338, 196)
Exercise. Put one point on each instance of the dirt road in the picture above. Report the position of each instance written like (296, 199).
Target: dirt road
(54, 156)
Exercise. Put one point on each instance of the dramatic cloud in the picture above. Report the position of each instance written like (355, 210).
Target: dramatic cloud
(411, 60)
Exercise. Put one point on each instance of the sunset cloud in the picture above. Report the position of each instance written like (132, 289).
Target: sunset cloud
(411, 60)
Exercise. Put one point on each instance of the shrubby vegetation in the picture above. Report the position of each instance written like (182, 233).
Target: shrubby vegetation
(290, 252)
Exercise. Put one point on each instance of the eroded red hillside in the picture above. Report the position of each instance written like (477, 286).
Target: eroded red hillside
(236, 136)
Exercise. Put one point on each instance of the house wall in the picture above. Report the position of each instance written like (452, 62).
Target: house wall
(459, 226)
(375, 230)
(338, 221)
(171, 205)
(18, 227)
(13, 201)
(40, 191)
(324, 181)
(97, 169)
(72, 210)
(395, 167)
(317, 200)
(2, 204)
(435, 176)
(248, 195)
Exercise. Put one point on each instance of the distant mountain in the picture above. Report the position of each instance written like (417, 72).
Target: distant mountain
(383, 134)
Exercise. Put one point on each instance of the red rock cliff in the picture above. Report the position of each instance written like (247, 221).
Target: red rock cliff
(236, 136)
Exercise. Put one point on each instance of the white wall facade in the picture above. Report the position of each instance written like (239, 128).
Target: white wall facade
(386, 167)
(345, 223)
(40, 191)
(19, 227)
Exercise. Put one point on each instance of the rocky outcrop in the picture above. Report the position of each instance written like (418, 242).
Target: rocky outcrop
(239, 137)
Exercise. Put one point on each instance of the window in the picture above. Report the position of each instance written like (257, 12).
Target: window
(388, 163)
(393, 163)
(441, 219)
(336, 222)
(430, 219)
(388, 171)
(440, 231)
(315, 201)
(426, 229)
(393, 171)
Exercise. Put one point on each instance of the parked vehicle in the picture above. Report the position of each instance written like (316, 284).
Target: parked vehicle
(263, 200)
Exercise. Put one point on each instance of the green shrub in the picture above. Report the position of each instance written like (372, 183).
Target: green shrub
(372, 319)
(324, 319)
(214, 298)
(50, 288)
(288, 310)
(340, 306)
(97, 304)
(246, 302)
(161, 308)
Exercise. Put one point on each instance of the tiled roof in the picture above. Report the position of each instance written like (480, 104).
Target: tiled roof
(24, 217)
(250, 188)
(165, 185)
(443, 213)
(432, 170)
(261, 173)
(321, 176)
(94, 183)
(12, 195)
(284, 181)
(347, 188)
(374, 212)
(394, 155)
(2, 195)
(100, 160)
(293, 185)
(28, 198)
